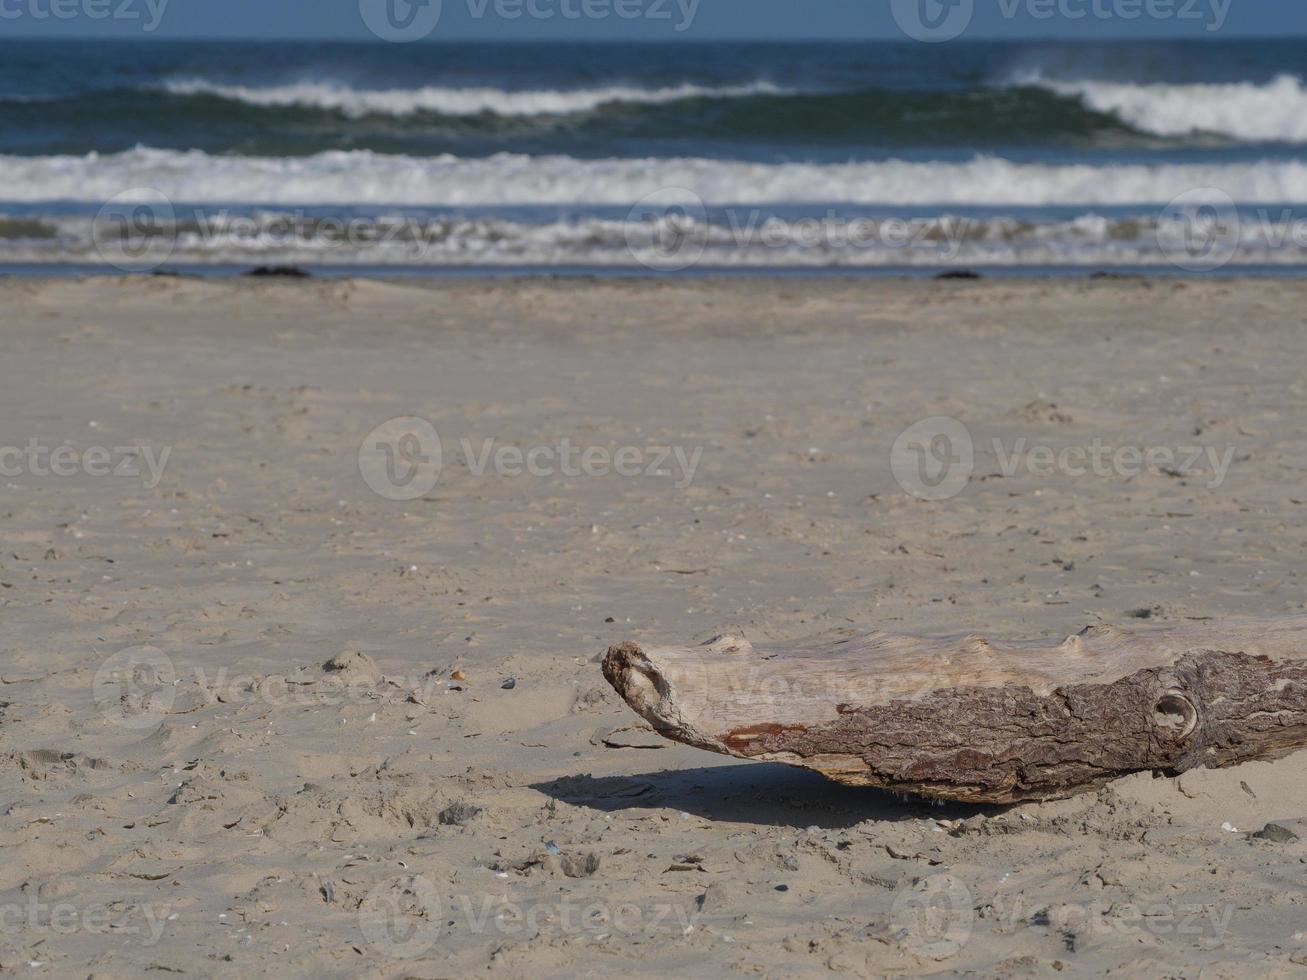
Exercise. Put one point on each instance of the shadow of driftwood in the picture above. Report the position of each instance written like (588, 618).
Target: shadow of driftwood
(755, 793)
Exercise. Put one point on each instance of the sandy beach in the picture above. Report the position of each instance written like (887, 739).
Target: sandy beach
(292, 689)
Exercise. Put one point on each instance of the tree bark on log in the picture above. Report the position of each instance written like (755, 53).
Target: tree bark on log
(961, 718)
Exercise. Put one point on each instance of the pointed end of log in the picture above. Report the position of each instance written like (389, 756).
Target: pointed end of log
(627, 668)
(662, 693)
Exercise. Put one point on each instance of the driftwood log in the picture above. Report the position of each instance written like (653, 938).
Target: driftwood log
(961, 718)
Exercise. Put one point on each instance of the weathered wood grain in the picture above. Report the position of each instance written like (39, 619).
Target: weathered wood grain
(963, 718)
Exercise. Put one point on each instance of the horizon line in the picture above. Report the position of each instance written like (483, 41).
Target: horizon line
(337, 39)
(302, 39)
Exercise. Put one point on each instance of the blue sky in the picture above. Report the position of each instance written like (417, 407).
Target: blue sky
(711, 19)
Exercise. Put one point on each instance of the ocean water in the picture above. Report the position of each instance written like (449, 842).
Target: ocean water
(663, 156)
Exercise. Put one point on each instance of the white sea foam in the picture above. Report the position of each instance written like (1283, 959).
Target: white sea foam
(1274, 112)
(397, 240)
(458, 101)
(367, 178)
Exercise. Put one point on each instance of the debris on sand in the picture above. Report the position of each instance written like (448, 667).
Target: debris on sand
(352, 664)
(459, 814)
(1283, 831)
(581, 867)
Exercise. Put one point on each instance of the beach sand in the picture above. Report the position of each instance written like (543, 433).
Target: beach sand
(409, 813)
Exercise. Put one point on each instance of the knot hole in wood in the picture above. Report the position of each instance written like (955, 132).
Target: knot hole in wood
(1176, 715)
